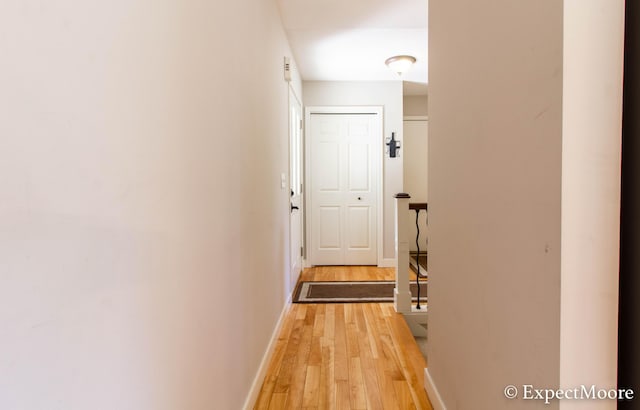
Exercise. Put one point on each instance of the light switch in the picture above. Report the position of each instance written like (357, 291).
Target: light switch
(283, 180)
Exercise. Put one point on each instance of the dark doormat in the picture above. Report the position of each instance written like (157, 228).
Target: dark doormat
(352, 292)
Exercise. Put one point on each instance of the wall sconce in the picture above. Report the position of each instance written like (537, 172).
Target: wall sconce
(393, 146)
(400, 64)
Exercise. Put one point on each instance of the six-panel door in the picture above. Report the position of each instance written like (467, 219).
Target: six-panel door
(344, 174)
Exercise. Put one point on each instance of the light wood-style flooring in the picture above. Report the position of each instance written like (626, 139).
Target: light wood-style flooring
(345, 356)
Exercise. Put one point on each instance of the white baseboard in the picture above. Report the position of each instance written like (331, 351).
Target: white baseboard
(432, 392)
(384, 263)
(254, 392)
(387, 263)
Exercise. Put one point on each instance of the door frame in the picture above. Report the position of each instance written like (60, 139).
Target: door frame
(294, 276)
(378, 160)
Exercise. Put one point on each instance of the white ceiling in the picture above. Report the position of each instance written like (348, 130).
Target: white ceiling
(349, 40)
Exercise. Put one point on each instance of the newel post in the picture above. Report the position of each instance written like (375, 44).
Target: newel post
(402, 293)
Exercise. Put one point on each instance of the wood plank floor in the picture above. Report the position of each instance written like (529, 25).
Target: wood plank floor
(345, 356)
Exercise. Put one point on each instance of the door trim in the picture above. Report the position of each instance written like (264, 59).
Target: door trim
(377, 110)
(294, 99)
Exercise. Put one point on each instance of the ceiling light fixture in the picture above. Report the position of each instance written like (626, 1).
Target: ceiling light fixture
(400, 64)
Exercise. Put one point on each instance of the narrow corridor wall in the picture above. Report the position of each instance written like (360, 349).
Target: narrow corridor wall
(143, 230)
(524, 198)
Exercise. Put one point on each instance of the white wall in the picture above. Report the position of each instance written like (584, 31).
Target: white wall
(523, 198)
(592, 113)
(416, 161)
(389, 95)
(415, 105)
(495, 135)
(142, 226)
(416, 171)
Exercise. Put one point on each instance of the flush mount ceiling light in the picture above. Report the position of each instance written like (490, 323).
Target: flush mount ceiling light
(400, 64)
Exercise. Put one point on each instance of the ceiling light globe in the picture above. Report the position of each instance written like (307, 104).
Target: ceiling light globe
(400, 64)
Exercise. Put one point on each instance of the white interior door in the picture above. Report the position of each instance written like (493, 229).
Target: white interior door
(344, 156)
(295, 188)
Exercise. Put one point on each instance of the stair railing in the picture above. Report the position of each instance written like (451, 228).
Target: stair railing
(418, 206)
(416, 317)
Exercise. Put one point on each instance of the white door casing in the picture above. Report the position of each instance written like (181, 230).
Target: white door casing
(344, 158)
(295, 189)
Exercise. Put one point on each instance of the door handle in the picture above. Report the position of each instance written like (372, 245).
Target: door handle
(293, 207)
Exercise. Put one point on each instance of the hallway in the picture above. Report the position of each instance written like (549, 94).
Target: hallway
(346, 356)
